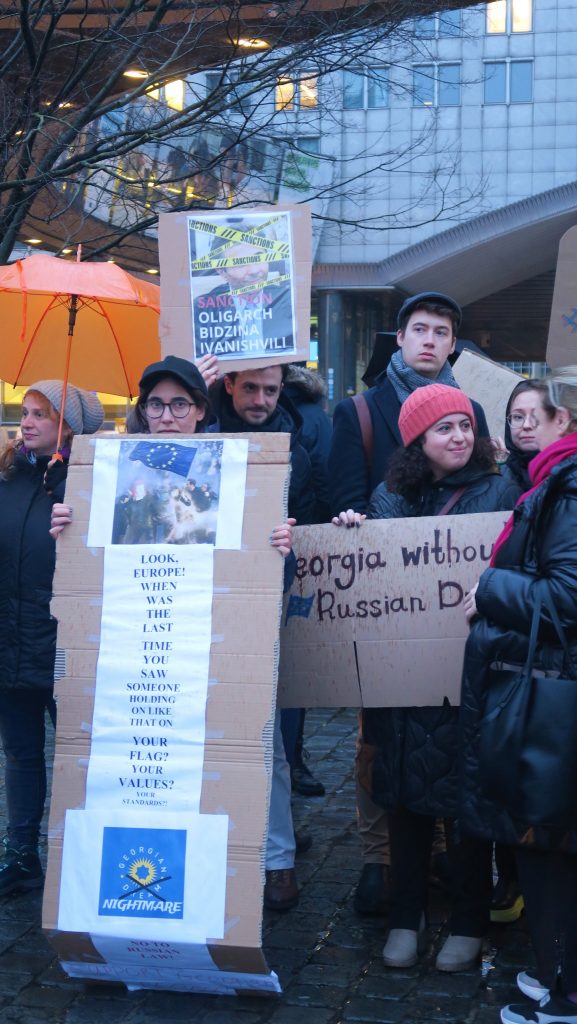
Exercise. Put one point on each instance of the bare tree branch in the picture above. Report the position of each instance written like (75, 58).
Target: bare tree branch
(95, 155)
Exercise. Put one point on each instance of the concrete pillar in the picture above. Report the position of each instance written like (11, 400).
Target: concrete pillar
(332, 344)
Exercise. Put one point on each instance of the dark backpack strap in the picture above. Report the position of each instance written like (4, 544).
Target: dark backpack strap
(452, 501)
(366, 424)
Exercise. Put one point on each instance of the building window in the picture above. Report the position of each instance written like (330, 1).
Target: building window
(296, 93)
(445, 23)
(240, 102)
(509, 81)
(449, 23)
(437, 85)
(424, 28)
(172, 93)
(509, 16)
(365, 89)
(308, 144)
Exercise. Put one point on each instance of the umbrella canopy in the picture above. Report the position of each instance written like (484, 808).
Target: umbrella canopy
(112, 336)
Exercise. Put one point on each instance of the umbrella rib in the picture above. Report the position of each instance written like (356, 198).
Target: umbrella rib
(117, 343)
(53, 302)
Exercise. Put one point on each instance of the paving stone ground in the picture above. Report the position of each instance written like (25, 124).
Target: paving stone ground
(328, 959)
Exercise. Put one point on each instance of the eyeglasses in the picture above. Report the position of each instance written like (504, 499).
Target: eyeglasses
(179, 408)
(519, 419)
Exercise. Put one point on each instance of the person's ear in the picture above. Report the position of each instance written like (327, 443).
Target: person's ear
(453, 345)
(400, 338)
(562, 418)
(228, 384)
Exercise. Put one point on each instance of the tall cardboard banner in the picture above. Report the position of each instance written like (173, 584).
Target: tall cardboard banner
(562, 340)
(375, 616)
(236, 284)
(158, 587)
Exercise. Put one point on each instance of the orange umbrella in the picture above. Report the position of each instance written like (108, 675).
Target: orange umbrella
(89, 323)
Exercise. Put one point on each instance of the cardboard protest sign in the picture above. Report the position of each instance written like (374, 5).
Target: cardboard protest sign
(374, 617)
(164, 739)
(236, 284)
(488, 383)
(562, 340)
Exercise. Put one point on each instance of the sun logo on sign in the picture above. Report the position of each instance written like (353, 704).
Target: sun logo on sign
(142, 871)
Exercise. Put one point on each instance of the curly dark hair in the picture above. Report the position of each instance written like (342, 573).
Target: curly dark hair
(409, 471)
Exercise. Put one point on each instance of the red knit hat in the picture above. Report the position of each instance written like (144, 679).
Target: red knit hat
(426, 406)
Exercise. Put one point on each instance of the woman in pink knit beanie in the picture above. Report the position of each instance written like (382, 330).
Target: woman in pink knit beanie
(442, 468)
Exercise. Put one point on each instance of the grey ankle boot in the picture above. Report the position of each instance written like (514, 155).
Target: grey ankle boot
(404, 946)
(459, 953)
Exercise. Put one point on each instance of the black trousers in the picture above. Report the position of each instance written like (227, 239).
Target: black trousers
(548, 882)
(22, 731)
(411, 838)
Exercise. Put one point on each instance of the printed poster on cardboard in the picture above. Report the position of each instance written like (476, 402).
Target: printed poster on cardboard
(242, 285)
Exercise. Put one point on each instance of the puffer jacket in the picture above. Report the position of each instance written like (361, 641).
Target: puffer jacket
(539, 555)
(27, 556)
(307, 391)
(416, 766)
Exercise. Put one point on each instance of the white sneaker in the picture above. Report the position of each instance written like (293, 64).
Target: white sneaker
(531, 987)
(552, 1009)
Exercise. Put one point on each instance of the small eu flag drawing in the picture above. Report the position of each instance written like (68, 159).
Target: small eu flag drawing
(299, 606)
(176, 458)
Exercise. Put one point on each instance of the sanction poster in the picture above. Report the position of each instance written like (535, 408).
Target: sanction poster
(242, 285)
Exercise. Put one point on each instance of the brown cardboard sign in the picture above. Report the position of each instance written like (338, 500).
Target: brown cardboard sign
(487, 383)
(374, 617)
(562, 340)
(119, 760)
(236, 284)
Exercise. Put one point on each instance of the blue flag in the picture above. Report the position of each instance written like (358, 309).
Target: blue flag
(299, 606)
(176, 458)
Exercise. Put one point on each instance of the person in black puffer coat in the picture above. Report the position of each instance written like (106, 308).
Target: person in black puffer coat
(307, 391)
(30, 483)
(520, 447)
(535, 553)
(443, 467)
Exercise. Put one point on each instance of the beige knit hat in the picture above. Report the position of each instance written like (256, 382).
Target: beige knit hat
(83, 411)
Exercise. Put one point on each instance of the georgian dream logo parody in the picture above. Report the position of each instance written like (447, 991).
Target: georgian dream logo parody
(142, 873)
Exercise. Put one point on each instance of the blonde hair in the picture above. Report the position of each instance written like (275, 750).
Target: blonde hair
(561, 393)
(10, 450)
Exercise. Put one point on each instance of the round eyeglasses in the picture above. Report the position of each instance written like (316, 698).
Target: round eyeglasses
(519, 419)
(179, 408)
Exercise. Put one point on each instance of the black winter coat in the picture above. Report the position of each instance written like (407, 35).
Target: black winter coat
(351, 479)
(540, 554)
(417, 762)
(307, 391)
(302, 504)
(27, 556)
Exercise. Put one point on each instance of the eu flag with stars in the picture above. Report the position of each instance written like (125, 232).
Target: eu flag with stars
(176, 458)
(299, 606)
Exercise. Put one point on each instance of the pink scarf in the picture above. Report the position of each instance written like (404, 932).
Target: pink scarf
(539, 469)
